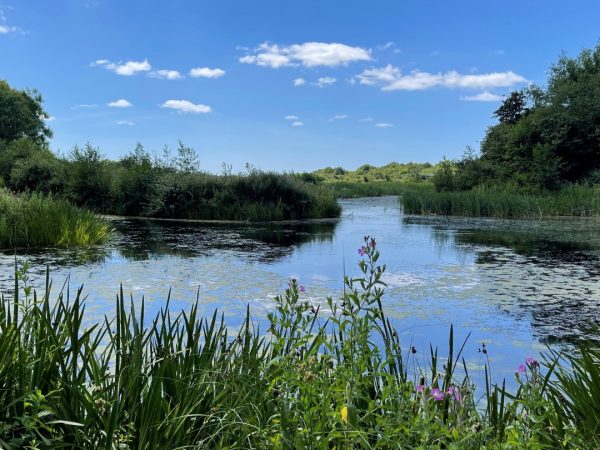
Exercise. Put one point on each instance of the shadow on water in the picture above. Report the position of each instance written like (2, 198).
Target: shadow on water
(146, 239)
(544, 271)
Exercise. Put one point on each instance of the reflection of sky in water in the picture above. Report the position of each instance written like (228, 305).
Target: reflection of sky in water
(513, 284)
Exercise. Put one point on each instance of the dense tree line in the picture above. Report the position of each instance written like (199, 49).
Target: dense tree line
(544, 138)
(140, 183)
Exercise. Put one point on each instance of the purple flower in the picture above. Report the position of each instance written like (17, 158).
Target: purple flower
(373, 243)
(420, 388)
(454, 391)
(522, 368)
(532, 362)
(302, 288)
(437, 394)
(362, 251)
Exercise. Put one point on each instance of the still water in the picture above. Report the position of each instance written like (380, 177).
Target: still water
(517, 286)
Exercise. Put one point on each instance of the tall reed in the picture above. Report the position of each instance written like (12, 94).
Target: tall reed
(36, 220)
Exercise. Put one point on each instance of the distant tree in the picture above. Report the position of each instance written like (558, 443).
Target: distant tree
(22, 115)
(512, 108)
(187, 160)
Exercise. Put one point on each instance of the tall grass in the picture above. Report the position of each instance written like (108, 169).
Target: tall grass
(324, 376)
(350, 189)
(572, 200)
(35, 220)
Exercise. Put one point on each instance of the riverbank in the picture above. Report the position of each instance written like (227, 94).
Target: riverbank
(36, 221)
(570, 201)
(181, 380)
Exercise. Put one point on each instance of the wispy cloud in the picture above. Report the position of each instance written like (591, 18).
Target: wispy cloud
(297, 123)
(384, 125)
(299, 81)
(367, 119)
(126, 122)
(165, 74)
(483, 97)
(206, 72)
(390, 78)
(390, 45)
(291, 117)
(121, 103)
(325, 81)
(50, 119)
(85, 106)
(185, 106)
(339, 117)
(127, 68)
(308, 54)
(5, 28)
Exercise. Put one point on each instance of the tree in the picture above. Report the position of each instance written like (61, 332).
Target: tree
(512, 108)
(187, 160)
(22, 115)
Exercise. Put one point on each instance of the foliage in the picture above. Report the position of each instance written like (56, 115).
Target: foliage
(504, 202)
(325, 376)
(545, 137)
(22, 115)
(32, 220)
(392, 172)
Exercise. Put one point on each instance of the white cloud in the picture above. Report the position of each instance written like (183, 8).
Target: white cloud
(308, 54)
(325, 81)
(299, 81)
(166, 74)
(5, 29)
(291, 117)
(185, 106)
(483, 97)
(85, 106)
(384, 125)
(339, 117)
(125, 122)
(121, 103)
(297, 123)
(206, 72)
(50, 119)
(126, 69)
(391, 79)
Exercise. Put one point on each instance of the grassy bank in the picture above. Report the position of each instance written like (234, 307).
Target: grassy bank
(573, 200)
(140, 184)
(316, 380)
(349, 189)
(35, 221)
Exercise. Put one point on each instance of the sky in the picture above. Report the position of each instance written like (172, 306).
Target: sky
(286, 86)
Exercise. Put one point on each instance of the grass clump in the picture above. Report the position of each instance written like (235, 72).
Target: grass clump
(36, 221)
(571, 200)
(324, 376)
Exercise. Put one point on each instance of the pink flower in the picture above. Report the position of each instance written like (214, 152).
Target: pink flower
(454, 391)
(302, 288)
(437, 394)
(522, 368)
(362, 251)
(532, 362)
(420, 388)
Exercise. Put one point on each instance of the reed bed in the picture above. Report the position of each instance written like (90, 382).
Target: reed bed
(323, 376)
(571, 200)
(36, 221)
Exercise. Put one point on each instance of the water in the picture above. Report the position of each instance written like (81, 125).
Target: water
(516, 286)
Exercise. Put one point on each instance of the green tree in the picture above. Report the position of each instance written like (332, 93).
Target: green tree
(22, 115)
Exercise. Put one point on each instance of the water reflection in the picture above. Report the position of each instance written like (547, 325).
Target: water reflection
(547, 272)
(141, 240)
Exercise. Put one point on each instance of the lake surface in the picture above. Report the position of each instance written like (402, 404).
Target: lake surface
(517, 286)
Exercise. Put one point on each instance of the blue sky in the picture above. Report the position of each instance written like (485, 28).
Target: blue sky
(284, 85)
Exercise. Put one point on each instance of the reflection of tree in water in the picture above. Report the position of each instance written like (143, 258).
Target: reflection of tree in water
(550, 277)
(147, 239)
